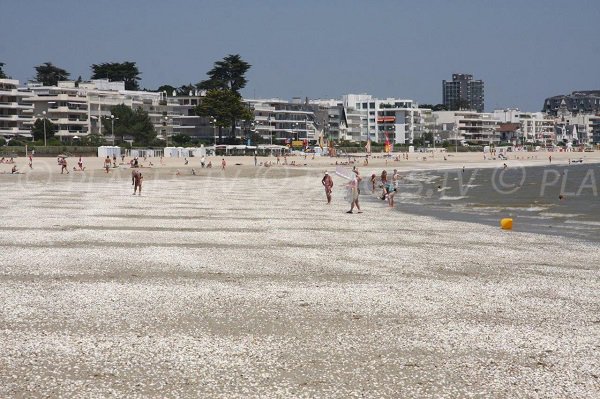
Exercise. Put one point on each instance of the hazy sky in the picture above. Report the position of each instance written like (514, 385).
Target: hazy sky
(524, 50)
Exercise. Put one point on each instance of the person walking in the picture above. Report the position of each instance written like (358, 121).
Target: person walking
(354, 192)
(327, 182)
(136, 181)
(63, 164)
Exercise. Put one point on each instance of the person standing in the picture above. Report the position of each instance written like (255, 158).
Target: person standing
(63, 164)
(107, 164)
(31, 162)
(202, 161)
(353, 186)
(223, 163)
(136, 181)
(327, 182)
(255, 160)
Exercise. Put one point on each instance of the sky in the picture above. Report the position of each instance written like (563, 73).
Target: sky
(523, 50)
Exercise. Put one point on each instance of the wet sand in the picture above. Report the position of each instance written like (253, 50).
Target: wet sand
(244, 283)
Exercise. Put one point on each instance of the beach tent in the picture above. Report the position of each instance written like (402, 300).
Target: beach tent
(109, 151)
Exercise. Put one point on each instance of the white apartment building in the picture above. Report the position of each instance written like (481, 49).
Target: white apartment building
(79, 111)
(398, 119)
(576, 129)
(15, 110)
(535, 127)
(468, 126)
(281, 122)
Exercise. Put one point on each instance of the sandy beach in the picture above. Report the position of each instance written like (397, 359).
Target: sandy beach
(244, 283)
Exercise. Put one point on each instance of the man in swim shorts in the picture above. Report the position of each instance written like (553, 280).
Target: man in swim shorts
(136, 181)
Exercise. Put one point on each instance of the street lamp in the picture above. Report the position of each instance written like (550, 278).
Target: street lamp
(213, 121)
(166, 131)
(44, 113)
(112, 122)
(295, 129)
(269, 127)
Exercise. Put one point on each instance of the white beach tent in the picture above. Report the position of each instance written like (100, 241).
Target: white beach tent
(109, 151)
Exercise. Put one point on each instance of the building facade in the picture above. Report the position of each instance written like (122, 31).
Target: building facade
(578, 102)
(463, 92)
(280, 122)
(534, 127)
(468, 127)
(15, 110)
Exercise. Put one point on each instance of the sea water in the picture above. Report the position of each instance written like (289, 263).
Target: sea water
(560, 200)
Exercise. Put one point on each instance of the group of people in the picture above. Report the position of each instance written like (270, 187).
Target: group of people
(6, 160)
(388, 186)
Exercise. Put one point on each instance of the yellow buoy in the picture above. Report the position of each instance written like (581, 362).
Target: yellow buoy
(506, 224)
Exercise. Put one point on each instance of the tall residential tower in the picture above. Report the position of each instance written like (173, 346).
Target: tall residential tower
(463, 93)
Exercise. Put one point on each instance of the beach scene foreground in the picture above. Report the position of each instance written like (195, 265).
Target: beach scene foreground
(245, 283)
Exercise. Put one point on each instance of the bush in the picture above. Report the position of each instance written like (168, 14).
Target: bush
(2, 141)
(16, 143)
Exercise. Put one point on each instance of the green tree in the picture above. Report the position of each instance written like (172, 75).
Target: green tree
(2, 74)
(93, 140)
(129, 122)
(227, 74)
(186, 89)
(167, 88)
(2, 141)
(50, 75)
(436, 107)
(181, 140)
(460, 105)
(118, 71)
(37, 129)
(226, 107)
(227, 77)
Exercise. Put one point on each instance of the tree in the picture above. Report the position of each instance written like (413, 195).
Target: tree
(460, 104)
(225, 80)
(2, 74)
(129, 122)
(37, 130)
(93, 140)
(227, 74)
(50, 75)
(181, 140)
(185, 90)
(226, 107)
(167, 88)
(118, 71)
(436, 107)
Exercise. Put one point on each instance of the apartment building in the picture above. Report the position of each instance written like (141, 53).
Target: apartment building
(578, 102)
(280, 122)
(15, 110)
(469, 126)
(463, 89)
(577, 129)
(534, 127)
(79, 110)
(367, 117)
